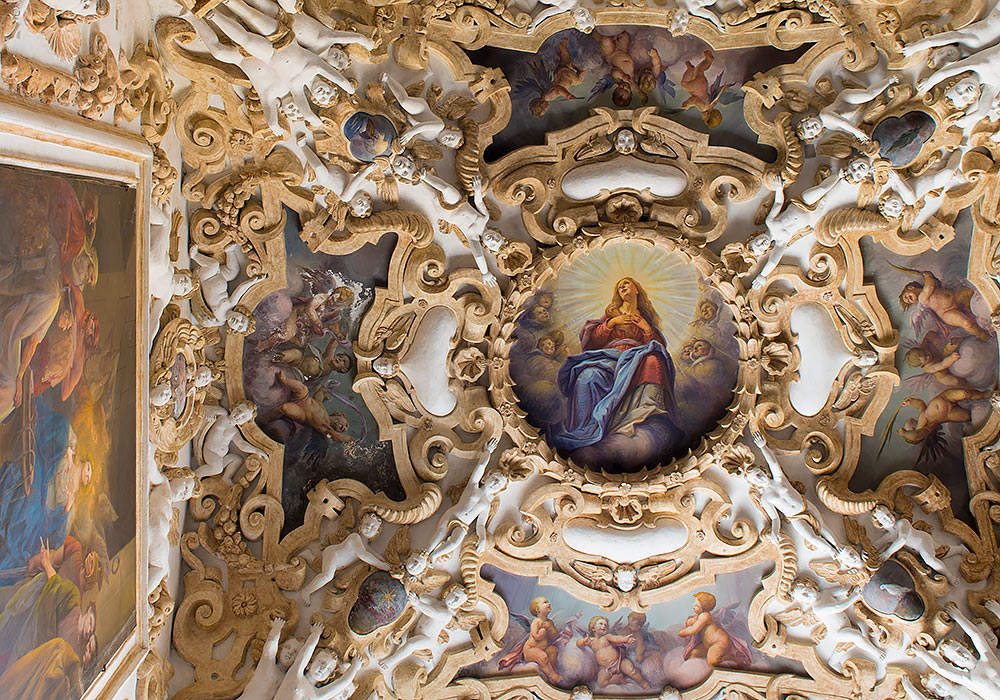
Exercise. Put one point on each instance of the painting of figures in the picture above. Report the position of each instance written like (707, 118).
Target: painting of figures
(679, 643)
(947, 361)
(299, 367)
(625, 358)
(628, 67)
(67, 430)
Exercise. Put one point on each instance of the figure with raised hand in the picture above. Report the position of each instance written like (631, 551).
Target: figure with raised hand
(274, 661)
(222, 434)
(300, 681)
(938, 686)
(356, 546)
(583, 19)
(472, 220)
(842, 113)
(424, 122)
(901, 533)
(177, 488)
(344, 186)
(975, 36)
(214, 278)
(435, 616)
(778, 497)
(473, 508)
(956, 663)
(310, 33)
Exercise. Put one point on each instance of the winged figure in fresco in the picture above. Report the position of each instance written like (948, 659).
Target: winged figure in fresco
(541, 641)
(542, 86)
(716, 636)
(934, 303)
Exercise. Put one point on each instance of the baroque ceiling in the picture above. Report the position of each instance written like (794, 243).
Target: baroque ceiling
(564, 350)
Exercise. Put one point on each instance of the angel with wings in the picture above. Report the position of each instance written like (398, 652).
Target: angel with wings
(709, 637)
(811, 608)
(927, 428)
(545, 86)
(542, 641)
(428, 634)
(653, 77)
(703, 98)
(941, 363)
(354, 546)
(933, 302)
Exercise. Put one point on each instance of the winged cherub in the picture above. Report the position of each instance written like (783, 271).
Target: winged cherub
(356, 546)
(901, 533)
(224, 432)
(214, 278)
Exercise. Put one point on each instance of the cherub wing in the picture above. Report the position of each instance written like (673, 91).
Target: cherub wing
(922, 382)
(532, 80)
(520, 619)
(934, 446)
(465, 621)
(856, 386)
(595, 573)
(716, 89)
(921, 315)
(655, 575)
(430, 581)
(664, 87)
(603, 84)
(831, 572)
(796, 616)
(859, 536)
(398, 546)
(345, 525)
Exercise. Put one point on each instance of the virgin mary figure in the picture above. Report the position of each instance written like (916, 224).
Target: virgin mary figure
(620, 389)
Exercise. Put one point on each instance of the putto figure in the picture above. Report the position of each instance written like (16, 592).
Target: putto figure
(273, 663)
(301, 679)
(583, 19)
(224, 433)
(214, 278)
(355, 546)
(901, 533)
(473, 508)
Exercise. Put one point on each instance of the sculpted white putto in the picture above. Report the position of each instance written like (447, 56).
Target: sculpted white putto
(223, 434)
(356, 546)
(214, 279)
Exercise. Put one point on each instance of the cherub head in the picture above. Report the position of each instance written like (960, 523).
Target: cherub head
(701, 348)
(370, 525)
(621, 96)
(161, 394)
(182, 486)
(243, 412)
(494, 482)
(956, 653)
(385, 366)
(361, 205)
(404, 168)
(451, 137)
(635, 621)
(625, 141)
(708, 310)
(857, 169)
(547, 345)
(322, 91)
(583, 19)
(883, 517)
(865, 358)
(338, 58)
(203, 376)
(849, 558)
(703, 602)
(341, 363)
(756, 477)
(625, 577)
(288, 650)
(938, 685)
(455, 596)
(544, 299)
(963, 93)
(760, 243)
(238, 322)
(339, 422)
(493, 240)
(416, 563)
(911, 292)
(540, 607)
(891, 206)
(183, 282)
(289, 110)
(322, 666)
(804, 591)
(809, 128)
(539, 314)
(597, 626)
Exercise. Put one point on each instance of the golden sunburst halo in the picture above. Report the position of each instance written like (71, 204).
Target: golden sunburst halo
(586, 286)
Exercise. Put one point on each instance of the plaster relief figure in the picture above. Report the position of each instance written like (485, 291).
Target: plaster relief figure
(473, 508)
(310, 33)
(694, 8)
(901, 533)
(967, 91)
(472, 220)
(356, 546)
(938, 687)
(345, 187)
(162, 498)
(583, 18)
(805, 213)
(224, 433)
(435, 616)
(778, 497)
(830, 609)
(405, 169)
(977, 671)
(275, 73)
(843, 113)
(974, 37)
(214, 278)
(300, 680)
(424, 122)
(273, 663)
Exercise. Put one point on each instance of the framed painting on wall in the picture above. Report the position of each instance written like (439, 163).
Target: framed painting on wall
(74, 202)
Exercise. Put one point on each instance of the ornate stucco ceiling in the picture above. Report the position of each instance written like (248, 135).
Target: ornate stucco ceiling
(564, 350)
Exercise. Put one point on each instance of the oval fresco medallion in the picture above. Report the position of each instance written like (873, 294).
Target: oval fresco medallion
(890, 591)
(369, 135)
(381, 599)
(900, 139)
(624, 358)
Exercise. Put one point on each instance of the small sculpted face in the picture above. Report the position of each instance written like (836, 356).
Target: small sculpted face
(322, 91)
(858, 169)
(584, 20)
(404, 168)
(183, 284)
(416, 563)
(891, 207)
(760, 243)
(370, 526)
(493, 240)
(495, 482)
(625, 141)
(957, 653)
(804, 593)
(849, 557)
(810, 128)
(963, 93)
(160, 395)
(203, 377)
(287, 651)
(883, 517)
(289, 110)
(338, 59)
(238, 322)
(184, 488)
(361, 205)
(939, 685)
(321, 667)
(625, 578)
(456, 598)
(243, 412)
(451, 137)
(384, 366)
(756, 477)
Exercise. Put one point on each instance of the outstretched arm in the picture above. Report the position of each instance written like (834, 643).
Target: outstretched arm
(306, 652)
(356, 181)
(940, 667)
(911, 690)
(985, 649)
(343, 685)
(449, 193)
(776, 473)
(369, 557)
(270, 651)
(480, 469)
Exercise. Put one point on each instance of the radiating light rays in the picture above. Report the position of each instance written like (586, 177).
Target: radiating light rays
(586, 286)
